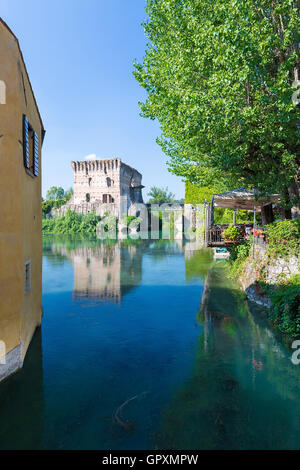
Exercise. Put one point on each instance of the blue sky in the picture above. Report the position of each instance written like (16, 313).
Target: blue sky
(79, 56)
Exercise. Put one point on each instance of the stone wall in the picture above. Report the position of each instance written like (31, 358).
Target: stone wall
(274, 272)
(85, 208)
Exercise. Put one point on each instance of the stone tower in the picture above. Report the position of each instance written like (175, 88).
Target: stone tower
(105, 182)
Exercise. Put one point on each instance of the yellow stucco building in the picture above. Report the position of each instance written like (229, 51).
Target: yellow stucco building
(21, 138)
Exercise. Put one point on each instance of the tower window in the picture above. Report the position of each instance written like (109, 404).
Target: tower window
(108, 182)
(107, 198)
(90, 182)
(88, 197)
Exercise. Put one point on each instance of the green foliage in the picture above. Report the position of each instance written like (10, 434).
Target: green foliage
(89, 223)
(198, 265)
(110, 224)
(71, 223)
(130, 220)
(284, 312)
(160, 196)
(285, 309)
(48, 225)
(53, 201)
(196, 194)
(225, 216)
(218, 77)
(68, 194)
(240, 252)
(47, 206)
(238, 257)
(283, 238)
(231, 233)
(55, 193)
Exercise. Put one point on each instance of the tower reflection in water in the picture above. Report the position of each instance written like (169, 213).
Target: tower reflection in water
(104, 271)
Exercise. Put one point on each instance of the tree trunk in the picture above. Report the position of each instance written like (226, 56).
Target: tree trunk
(267, 215)
(287, 213)
(285, 204)
(294, 193)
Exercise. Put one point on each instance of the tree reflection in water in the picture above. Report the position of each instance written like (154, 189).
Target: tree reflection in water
(244, 391)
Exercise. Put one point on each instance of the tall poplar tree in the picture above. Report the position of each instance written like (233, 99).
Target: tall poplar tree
(220, 77)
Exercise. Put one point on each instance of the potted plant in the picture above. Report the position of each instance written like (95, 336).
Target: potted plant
(231, 234)
(261, 233)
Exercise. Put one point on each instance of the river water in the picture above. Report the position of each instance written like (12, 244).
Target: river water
(131, 355)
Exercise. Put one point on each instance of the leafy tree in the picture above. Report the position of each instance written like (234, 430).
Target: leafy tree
(219, 78)
(195, 194)
(68, 194)
(47, 207)
(55, 193)
(179, 201)
(160, 196)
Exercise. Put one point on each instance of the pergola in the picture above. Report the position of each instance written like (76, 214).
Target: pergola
(241, 199)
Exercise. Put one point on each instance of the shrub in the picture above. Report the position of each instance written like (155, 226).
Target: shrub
(283, 238)
(110, 225)
(48, 225)
(130, 220)
(240, 252)
(88, 223)
(231, 233)
(285, 309)
(238, 257)
(47, 207)
(71, 223)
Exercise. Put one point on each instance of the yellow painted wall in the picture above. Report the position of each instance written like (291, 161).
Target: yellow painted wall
(20, 204)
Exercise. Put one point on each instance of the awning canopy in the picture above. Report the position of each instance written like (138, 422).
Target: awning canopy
(243, 199)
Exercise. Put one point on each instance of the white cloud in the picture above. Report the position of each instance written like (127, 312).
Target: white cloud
(92, 156)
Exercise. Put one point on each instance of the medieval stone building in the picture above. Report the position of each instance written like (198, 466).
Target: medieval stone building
(104, 185)
(105, 181)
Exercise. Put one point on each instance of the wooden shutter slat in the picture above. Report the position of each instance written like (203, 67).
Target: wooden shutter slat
(36, 154)
(25, 142)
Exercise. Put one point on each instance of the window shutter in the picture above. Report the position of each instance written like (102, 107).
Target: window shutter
(26, 141)
(35, 154)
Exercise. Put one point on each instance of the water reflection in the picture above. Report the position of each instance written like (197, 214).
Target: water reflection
(22, 403)
(244, 390)
(104, 271)
(166, 334)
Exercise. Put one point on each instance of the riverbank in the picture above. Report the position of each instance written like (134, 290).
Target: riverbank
(272, 278)
(73, 223)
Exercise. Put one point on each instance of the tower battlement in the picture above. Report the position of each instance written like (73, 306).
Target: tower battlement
(97, 165)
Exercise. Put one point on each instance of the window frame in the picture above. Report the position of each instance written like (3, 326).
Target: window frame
(27, 128)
